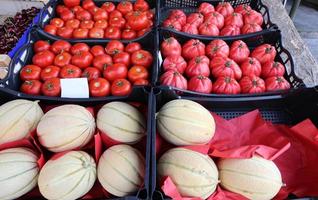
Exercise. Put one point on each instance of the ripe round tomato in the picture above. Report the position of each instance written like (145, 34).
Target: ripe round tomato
(41, 45)
(178, 15)
(121, 87)
(93, 10)
(51, 87)
(60, 8)
(217, 48)
(101, 24)
(79, 47)
(226, 85)
(57, 22)
(51, 29)
(128, 34)
(115, 71)
(251, 28)
(115, 13)
(108, 7)
(122, 57)
(30, 72)
(70, 71)
(62, 59)
(71, 3)
(174, 79)
(87, 4)
(242, 9)
(264, 53)
(234, 19)
(141, 5)
(195, 19)
(72, 23)
(43, 58)
(230, 30)
(96, 33)
(206, 8)
(67, 15)
(142, 57)
(272, 68)
(143, 32)
(253, 17)
(32, 87)
(113, 33)
(76, 8)
(225, 67)
(87, 24)
(200, 84)
(170, 47)
(208, 29)
(80, 33)
(60, 46)
(215, 18)
(198, 66)
(141, 82)
(100, 14)
(117, 22)
(99, 87)
(91, 73)
(176, 63)
(132, 47)
(190, 29)
(276, 83)
(82, 59)
(138, 21)
(239, 51)
(137, 72)
(252, 84)
(224, 8)
(97, 50)
(65, 32)
(169, 23)
(125, 7)
(150, 15)
(114, 47)
(251, 66)
(102, 61)
(50, 72)
(192, 49)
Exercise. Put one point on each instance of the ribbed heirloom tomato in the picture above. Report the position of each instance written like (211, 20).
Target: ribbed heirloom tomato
(264, 53)
(128, 34)
(101, 24)
(198, 66)
(170, 47)
(99, 87)
(215, 18)
(43, 58)
(32, 87)
(253, 16)
(276, 83)
(87, 4)
(170, 23)
(251, 66)
(174, 63)
(195, 19)
(225, 67)
(96, 33)
(122, 57)
(235, 19)
(272, 68)
(70, 71)
(251, 28)
(91, 73)
(192, 49)
(190, 28)
(137, 72)
(208, 29)
(252, 84)
(217, 48)
(239, 51)
(30, 72)
(41, 45)
(142, 57)
(230, 30)
(57, 22)
(115, 13)
(100, 14)
(62, 59)
(51, 87)
(206, 8)
(175, 79)
(66, 14)
(87, 24)
(224, 8)
(102, 61)
(115, 71)
(117, 22)
(50, 72)
(121, 87)
(200, 84)
(178, 15)
(226, 85)
(242, 9)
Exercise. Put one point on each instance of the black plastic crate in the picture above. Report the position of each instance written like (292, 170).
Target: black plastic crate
(48, 13)
(12, 82)
(274, 38)
(291, 110)
(189, 6)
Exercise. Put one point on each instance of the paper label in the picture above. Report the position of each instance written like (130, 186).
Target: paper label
(74, 88)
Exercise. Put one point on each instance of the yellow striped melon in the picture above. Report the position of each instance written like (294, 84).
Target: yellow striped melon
(255, 178)
(193, 173)
(66, 127)
(121, 122)
(184, 122)
(121, 170)
(18, 172)
(70, 176)
(18, 118)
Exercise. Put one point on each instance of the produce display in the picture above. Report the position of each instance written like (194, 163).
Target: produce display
(220, 68)
(222, 20)
(112, 69)
(126, 20)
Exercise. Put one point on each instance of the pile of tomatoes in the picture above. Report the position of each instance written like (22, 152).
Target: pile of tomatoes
(124, 21)
(235, 69)
(110, 70)
(222, 20)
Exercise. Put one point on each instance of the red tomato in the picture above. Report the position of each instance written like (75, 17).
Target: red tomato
(141, 5)
(93, 10)
(101, 24)
(239, 51)
(141, 82)
(43, 58)
(230, 30)
(83, 15)
(251, 28)
(276, 83)
(198, 66)
(114, 47)
(65, 32)
(208, 29)
(264, 53)
(195, 19)
(80, 33)
(192, 49)
(128, 34)
(100, 14)
(217, 48)
(132, 47)
(72, 23)
(190, 29)
(150, 14)
(91, 73)
(226, 85)
(67, 15)
(62, 59)
(205, 8)
(142, 57)
(108, 7)
(79, 48)
(115, 71)
(60, 46)
(224, 8)
(51, 87)
(253, 17)
(71, 3)
(125, 7)
(41, 45)
(97, 50)
(50, 72)
(178, 15)
(176, 63)
(225, 67)
(272, 68)
(82, 60)
(174, 79)
(87, 24)
(76, 8)
(60, 8)
(113, 33)
(251, 66)
(122, 57)
(30, 72)
(87, 4)
(117, 22)
(143, 32)
(170, 47)
(57, 22)
(32, 87)
(102, 61)
(137, 72)
(242, 9)
(99, 87)
(51, 29)
(215, 18)
(169, 23)
(138, 21)
(200, 84)
(70, 71)
(252, 84)
(234, 19)
(121, 87)
(96, 33)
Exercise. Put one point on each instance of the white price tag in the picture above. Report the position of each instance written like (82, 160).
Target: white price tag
(74, 88)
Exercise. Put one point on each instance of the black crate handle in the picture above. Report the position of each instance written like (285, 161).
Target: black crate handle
(45, 12)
